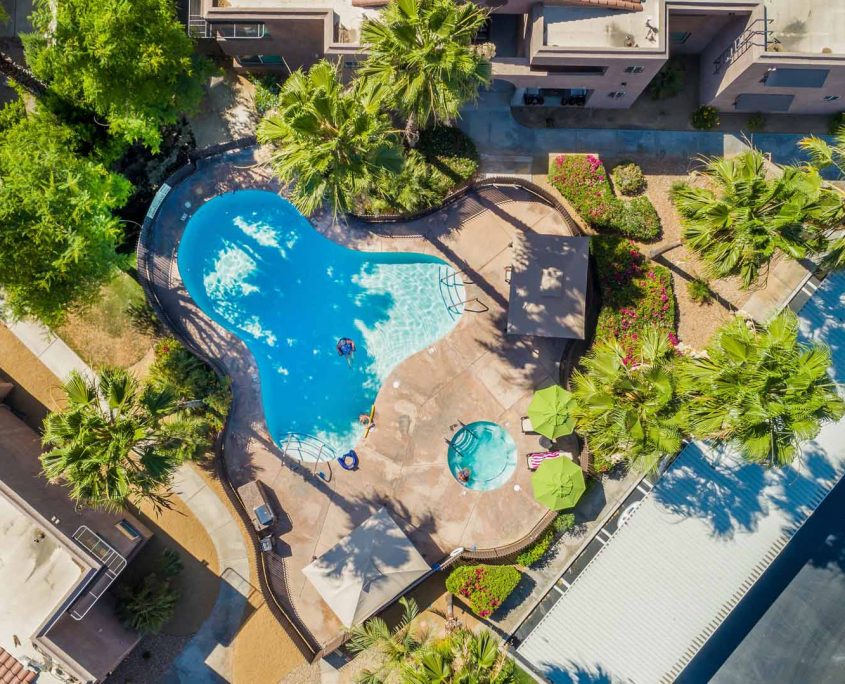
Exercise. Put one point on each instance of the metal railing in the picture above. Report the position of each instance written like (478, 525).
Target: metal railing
(113, 564)
(757, 34)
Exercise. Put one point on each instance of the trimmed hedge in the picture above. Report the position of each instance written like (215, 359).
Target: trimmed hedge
(582, 180)
(483, 587)
(636, 294)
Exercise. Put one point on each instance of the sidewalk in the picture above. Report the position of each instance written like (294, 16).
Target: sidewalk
(207, 657)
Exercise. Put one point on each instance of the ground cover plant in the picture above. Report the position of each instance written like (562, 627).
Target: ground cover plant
(540, 548)
(637, 294)
(582, 180)
(483, 587)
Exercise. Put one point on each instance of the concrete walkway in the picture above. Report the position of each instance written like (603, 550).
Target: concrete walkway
(499, 136)
(207, 657)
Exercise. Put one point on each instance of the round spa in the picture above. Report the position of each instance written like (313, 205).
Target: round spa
(482, 456)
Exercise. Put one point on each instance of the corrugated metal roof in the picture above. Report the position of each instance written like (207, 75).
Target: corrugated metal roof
(668, 578)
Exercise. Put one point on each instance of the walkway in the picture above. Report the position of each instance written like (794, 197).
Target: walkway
(502, 141)
(207, 656)
(474, 373)
(711, 526)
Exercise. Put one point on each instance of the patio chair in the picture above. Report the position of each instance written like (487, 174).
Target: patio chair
(527, 427)
(535, 459)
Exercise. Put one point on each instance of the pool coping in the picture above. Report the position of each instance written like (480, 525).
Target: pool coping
(147, 269)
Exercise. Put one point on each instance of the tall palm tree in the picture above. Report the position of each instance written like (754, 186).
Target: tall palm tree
(759, 390)
(826, 155)
(116, 442)
(421, 52)
(738, 227)
(395, 649)
(626, 407)
(330, 142)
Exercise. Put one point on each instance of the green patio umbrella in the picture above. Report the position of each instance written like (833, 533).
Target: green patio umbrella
(558, 483)
(550, 412)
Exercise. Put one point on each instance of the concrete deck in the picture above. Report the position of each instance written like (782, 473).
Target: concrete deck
(475, 373)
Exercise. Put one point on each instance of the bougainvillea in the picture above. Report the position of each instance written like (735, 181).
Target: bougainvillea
(483, 587)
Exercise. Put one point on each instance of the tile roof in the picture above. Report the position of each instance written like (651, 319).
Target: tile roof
(12, 672)
(629, 5)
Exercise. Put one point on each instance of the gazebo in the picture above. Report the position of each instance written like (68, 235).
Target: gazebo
(548, 295)
(367, 569)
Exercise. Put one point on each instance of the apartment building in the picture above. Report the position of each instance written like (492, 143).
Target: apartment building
(760, 56)
(57, 620)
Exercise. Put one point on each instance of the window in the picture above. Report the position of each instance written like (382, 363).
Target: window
(570, 69)
(679, 37)
(616, 94)
(763, 102)
(831, 98)
(239, 30)
(634, 69)
(795, 78)
(248, 60)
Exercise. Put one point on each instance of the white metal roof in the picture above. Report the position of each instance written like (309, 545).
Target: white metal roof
(655, 593)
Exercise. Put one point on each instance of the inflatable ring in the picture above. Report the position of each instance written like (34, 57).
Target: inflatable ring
(349, 461)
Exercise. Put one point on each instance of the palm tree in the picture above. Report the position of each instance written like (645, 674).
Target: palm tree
(737, 228)
(759, 390)
(464, 657)
(396, 649)
(626, 407)
(826, 155)
(116, 442)
(421, 52)
(330, 142)
(147, 607)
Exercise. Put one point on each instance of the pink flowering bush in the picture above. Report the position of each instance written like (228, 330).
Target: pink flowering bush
(636, 294)
(582, 180)
(483, 587)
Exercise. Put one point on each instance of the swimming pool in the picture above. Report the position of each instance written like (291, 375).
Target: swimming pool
(257, 267)
(487, 452)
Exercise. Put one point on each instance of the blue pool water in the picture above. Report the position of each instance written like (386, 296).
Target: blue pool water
(257, 267)
(487, 450)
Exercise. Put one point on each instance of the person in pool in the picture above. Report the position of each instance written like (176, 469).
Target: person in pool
(464, 474)
(345, 346)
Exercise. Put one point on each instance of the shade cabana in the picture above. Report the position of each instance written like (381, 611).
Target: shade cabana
(367, 569)
(548, 296)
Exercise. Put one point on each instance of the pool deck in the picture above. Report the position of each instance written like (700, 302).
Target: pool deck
(476, 372)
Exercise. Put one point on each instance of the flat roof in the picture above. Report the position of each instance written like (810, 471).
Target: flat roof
(711, 526)
(574, 26)
(548, 288)
(808, 26)
(37, 573)
(350, 17)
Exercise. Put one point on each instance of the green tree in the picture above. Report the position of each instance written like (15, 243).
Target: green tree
(57, 246)
(761, 391)
(131, 62)
(395, 649)
(738, 227)
(462, 658)
(626, 405)
(421, 53)
(329, 141)
(117, 442)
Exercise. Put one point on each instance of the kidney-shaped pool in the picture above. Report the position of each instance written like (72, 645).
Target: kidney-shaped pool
(257, 267)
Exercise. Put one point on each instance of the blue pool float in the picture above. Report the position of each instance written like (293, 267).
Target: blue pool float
(349, 461)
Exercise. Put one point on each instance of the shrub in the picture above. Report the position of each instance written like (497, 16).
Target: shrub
(705, 118)
(148, 605)
(668, 82)
(563, 522)
(636, 294)
(582, 180)
(537, 550)
(192, 380)
(266, 95)
(144, 320)
(756, 122)
(628, 178)
(483, 587)
(699, 291)
(450, 153)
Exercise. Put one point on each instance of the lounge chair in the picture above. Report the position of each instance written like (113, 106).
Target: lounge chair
(527, 427)
(534, 460)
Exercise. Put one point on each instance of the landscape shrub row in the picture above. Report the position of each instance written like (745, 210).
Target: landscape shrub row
(583, 180)
(483, 587)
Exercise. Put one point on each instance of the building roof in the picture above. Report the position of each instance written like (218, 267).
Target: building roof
(12, 671)
(670, 575)
(367, 569)
(548, 286)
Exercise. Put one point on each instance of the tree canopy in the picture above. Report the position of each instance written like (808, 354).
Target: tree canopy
(421, 54)
(130, 61)
(331, 142)
(58, 237)
(760, 390)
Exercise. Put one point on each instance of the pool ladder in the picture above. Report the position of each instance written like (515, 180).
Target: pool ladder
(450, 285)
(307, 445)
